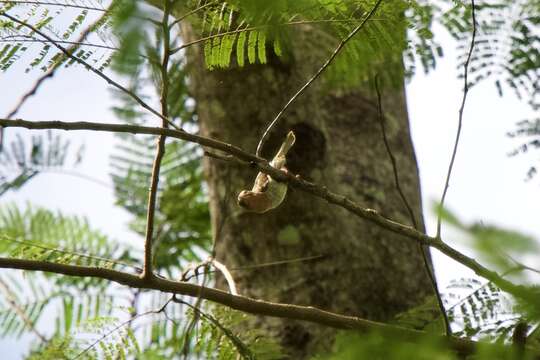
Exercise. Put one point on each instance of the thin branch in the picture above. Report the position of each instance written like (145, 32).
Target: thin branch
(460, 120)
(314, 77)
(423, 250)
(160, 147)
(178, 20)
(263, 265)
(191, 325)
(297, 182)
(119, 326)
(12, 300)
(279, 262)
(242, 303)
(99, 73)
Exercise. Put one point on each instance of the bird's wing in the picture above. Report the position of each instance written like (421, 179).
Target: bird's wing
(261, 182)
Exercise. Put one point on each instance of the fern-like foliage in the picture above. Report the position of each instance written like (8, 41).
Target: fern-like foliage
(63, 22)
(24, 158)
(483, 312)
(507, 45)
(250, 32)
(97, 338)
(40, 234)
(529, 131)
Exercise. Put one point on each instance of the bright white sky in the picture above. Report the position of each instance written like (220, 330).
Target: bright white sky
(486, 185)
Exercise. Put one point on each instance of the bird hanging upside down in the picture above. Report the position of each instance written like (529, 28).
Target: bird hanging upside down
(267, 193)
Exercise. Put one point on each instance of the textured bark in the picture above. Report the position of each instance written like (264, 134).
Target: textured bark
(366, 271)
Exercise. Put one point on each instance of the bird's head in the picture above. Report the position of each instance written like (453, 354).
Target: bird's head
(254, 201)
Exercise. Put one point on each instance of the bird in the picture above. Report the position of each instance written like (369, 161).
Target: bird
(267, 193)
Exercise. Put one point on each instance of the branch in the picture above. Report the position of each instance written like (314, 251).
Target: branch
(317, 74)
(12, 300)
(460, 121)
(160, 147)
(316, 190)
(242, 303)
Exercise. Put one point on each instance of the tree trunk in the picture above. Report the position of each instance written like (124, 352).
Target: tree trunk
(360, 269)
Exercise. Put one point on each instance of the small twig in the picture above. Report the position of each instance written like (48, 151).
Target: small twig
(422, 248)
(16, 306)
(196, 315)
(263, 265)
(160, 147)
(89, 67)
(121, 325)
(191, 13)
(214, 155)
(314, 77)
(460, 120)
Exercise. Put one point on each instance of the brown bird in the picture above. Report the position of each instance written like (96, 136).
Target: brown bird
(267, 193)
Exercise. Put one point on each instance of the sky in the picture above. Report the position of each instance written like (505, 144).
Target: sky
(487, 185)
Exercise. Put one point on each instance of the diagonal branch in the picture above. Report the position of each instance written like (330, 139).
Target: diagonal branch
(245, 304)
(460, 121)
(317, 74)
(11, 299)
(316, 190)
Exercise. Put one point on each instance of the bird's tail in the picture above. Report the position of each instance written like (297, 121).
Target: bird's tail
(287, 144)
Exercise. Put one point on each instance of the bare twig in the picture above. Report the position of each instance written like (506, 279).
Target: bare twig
(12, 300)
(245, 304)
(297, 182)
(263, 265)
(423, 250)
(191, 325)
(119, 326)
(160, 147)
(89, 67)
(194, 11)
(460, 121)
(314, 77)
